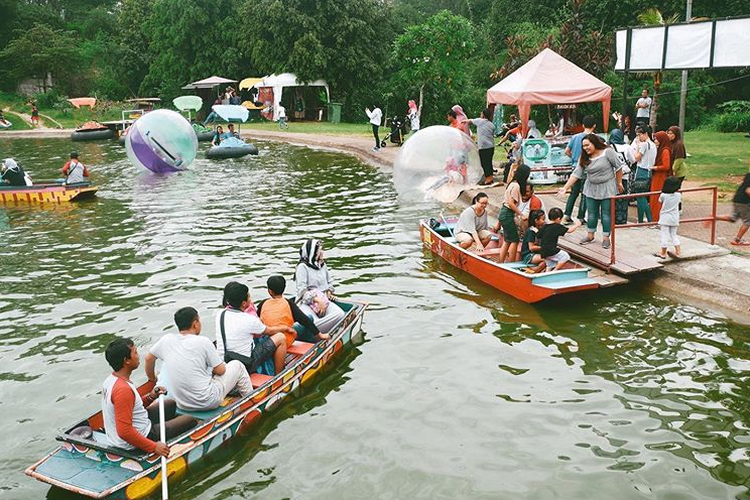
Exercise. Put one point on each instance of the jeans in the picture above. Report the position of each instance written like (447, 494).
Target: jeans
(574, 192)
(642, 184)
(594, 208)
(210, 118)
(485, 158)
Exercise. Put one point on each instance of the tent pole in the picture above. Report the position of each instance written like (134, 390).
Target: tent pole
(628, 41)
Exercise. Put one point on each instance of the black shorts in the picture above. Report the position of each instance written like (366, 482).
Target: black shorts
(262, 351)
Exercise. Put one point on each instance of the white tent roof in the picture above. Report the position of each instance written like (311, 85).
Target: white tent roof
(208, 83)
(288, 80)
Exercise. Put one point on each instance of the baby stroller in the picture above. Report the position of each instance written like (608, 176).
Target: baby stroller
(398, 131)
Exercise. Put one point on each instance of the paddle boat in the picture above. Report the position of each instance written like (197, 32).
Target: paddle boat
(92, 131)
(507, 277)
(204, 134)
(86, 464)
(47, 192)
(231, 147)
(5, 123)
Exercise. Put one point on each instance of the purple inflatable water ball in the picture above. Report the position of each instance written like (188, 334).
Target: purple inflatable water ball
(161, 141)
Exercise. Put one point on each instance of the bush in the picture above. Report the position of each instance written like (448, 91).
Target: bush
(732, 122)
(51, 99)
(734, 107)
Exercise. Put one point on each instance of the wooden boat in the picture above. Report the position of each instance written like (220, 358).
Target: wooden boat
(93, 468)
(47, 192)
(507, 277)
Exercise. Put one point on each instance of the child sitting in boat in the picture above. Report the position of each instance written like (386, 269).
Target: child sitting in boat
(472, 227)
(530, 247)
(278, 311)
(131, 420)
(554, 257)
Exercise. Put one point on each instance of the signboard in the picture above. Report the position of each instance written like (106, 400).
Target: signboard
(536, 153)
(695, 45)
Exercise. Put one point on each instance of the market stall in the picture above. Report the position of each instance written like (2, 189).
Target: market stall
(301, 99)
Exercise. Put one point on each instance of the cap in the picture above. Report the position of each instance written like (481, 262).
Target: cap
(74, 154)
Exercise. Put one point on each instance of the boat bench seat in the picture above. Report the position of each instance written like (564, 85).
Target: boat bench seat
(299, 348)
(258, 379)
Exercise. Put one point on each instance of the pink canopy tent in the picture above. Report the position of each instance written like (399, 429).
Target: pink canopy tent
(549, 78)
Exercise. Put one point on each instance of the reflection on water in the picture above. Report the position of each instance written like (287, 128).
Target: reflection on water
(459, 392)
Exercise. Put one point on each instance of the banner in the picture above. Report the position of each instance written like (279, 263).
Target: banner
(696, 45)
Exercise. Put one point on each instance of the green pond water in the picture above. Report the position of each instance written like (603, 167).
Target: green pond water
(456, 391)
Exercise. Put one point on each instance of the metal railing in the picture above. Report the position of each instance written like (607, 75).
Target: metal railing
(714, 195)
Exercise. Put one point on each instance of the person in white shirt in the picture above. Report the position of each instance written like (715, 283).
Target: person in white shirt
(245, 334)
(644, 151)
(199, 379)
(282, 115)
(375, 116)
(643, 108)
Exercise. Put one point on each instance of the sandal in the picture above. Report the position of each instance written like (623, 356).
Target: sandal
(659, 256)
(585, 241)
(739, 243)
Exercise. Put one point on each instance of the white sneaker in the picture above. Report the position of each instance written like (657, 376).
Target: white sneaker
(376, 149)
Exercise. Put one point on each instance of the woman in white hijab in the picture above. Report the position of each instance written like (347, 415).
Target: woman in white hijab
(13, 174)
(315, 287)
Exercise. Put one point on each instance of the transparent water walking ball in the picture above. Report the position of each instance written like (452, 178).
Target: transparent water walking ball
(161, 141)
(438, 162)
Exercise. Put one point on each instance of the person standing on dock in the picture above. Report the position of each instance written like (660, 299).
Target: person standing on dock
(741, 210)
(574, 151)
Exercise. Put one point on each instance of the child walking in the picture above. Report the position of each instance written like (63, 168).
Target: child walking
(669, 218)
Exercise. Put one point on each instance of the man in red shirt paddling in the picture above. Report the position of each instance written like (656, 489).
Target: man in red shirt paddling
(74, 171)
(131, 420)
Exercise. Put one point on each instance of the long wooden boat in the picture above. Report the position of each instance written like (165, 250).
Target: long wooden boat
(47, 193)
(93, 468)
(507, 277)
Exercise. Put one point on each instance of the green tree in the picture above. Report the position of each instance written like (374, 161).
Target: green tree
(434, 52)
(343, 42)
(41, 51)
(190, 40)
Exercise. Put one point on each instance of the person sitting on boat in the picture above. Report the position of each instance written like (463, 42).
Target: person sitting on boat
(3, 122)
(218, 135)
(241, 335)
(315, 287)
(553, 256)
(199, 379)
(74, 171)
(472, 227)
(530, 247)
(230, 132)
(13, 174)
(213, 115)
(131, 420)
(278, 311)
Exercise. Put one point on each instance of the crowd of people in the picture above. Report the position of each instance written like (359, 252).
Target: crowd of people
(249, 338)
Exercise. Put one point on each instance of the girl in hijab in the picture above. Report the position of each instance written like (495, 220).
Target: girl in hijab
(13, 174)
(679, 167)
(413, 115)
(462, 119)
(662, 168)
(533, 133)
(315, 287)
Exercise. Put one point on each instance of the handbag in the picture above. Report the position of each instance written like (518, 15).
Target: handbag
(231, 355)
(640, 184)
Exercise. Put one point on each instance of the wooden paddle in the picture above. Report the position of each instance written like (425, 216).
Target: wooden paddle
(163, 433)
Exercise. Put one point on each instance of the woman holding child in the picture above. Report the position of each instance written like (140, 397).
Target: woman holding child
(603, 181)
(315, 287)
(508, 212)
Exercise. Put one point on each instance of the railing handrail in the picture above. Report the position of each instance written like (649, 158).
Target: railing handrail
(614, 225)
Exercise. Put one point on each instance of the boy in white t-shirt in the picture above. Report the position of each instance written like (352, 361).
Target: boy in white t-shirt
(199, 379)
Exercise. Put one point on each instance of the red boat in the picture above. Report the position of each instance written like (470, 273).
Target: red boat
(507, 277)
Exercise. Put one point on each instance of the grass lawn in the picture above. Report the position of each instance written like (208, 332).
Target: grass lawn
(721, 158)
(18, 122)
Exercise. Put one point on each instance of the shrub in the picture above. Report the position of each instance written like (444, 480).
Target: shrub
(734, 107)
(51, 99)
(732, 122)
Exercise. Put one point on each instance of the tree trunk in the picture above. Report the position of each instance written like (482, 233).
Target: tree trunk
(419, 109)
(655, 102)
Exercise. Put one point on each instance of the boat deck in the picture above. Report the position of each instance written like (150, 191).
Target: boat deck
(627, 263)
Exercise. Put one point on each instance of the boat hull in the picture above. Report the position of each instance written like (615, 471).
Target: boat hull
(98, 474)
(219, 152)
(507, 277)
(92, 135)
(51, 193)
